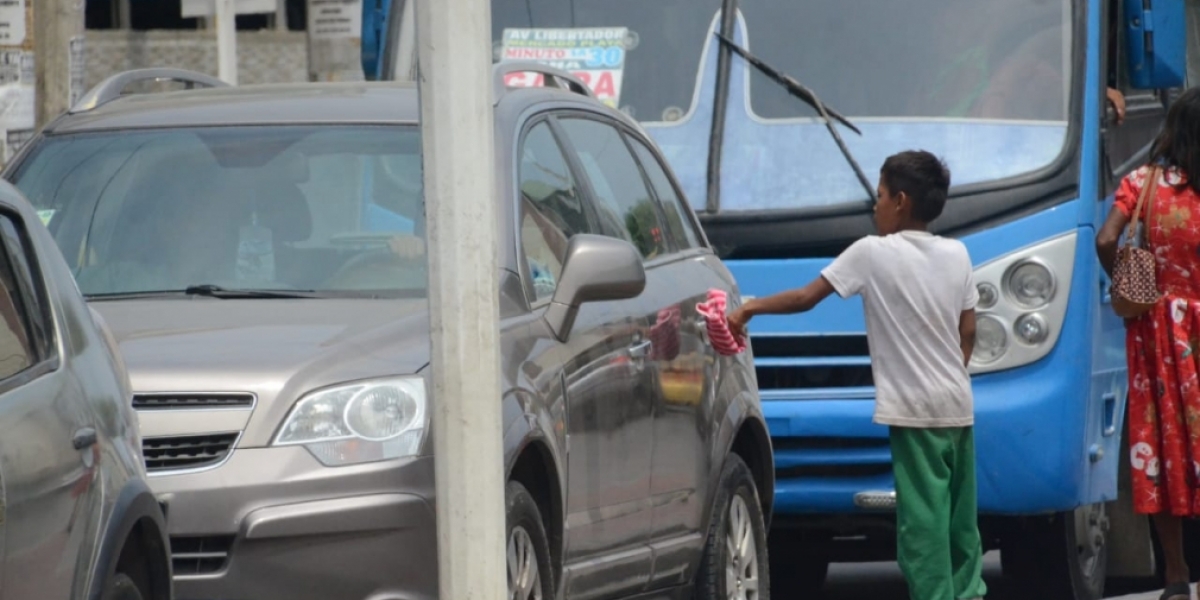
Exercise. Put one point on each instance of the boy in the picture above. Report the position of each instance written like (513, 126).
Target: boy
(919, 298)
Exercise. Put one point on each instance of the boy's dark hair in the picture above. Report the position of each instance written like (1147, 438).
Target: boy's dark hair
(923, 177)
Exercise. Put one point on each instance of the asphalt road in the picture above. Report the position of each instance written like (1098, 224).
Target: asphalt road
(883, 581)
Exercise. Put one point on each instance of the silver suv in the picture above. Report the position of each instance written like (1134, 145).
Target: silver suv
(258, 252)
(77, 517)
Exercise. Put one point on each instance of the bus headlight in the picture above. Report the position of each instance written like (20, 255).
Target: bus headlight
(361, 422)
(991, 340)
(1021, 310)
(1031, 284)
(1032, 329)
(988, 295)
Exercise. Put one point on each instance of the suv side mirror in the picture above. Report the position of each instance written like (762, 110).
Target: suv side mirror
(597, 268)
(1156, 39)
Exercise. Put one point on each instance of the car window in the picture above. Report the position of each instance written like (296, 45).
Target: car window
(22, 324)
(329, 209)
(551, 209)
(623, 202)
(678, 223)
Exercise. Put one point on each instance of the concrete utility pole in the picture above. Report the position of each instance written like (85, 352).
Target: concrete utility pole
(55, 23)
(455, 55)
(227, 64)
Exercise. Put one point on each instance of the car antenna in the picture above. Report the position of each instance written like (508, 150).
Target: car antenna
(798, 90)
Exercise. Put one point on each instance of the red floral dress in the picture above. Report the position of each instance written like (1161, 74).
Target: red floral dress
(1164, 394)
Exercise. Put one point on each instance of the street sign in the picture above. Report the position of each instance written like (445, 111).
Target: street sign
(206, 8)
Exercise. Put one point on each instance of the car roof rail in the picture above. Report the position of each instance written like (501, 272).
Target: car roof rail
(112, 88)
(554, 77)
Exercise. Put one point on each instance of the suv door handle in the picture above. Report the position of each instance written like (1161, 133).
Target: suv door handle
(84, 438)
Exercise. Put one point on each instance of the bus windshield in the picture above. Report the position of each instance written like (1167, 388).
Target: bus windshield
(983, 83)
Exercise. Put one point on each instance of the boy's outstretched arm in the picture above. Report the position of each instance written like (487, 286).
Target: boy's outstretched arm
(966, 334)
(792, 301)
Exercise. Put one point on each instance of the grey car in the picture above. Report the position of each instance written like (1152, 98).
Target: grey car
(258, 253)
(77, 516)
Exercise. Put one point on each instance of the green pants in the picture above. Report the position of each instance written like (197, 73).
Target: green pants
(937, 529)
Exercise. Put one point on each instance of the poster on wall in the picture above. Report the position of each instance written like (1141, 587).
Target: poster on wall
(334, 19)
(17, 110)
(12, 22)
(335, 40)
(595, 55)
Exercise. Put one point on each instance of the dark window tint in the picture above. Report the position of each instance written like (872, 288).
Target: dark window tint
(24, 331)
(678, 223)
(551, 209)
(624, 204)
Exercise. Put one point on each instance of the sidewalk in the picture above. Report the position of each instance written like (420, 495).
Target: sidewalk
(1147, 595)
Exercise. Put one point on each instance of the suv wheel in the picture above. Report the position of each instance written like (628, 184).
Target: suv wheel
(121, 587)
(528, 553)
(735, 560)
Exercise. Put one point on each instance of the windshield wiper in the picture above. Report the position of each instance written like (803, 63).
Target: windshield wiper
(216, 291)
(798, 90)
(207, 289)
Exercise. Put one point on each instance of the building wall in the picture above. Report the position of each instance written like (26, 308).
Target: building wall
(263, 56)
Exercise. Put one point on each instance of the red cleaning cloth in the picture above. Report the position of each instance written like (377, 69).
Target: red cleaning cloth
(719, 335)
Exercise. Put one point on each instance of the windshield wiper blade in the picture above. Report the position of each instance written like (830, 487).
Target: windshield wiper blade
(798, 90)
(216, 291)
(134, 295)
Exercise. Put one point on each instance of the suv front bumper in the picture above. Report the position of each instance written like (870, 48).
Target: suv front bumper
(274, 523)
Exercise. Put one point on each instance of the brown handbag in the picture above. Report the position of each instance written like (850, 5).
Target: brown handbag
(1134, 285)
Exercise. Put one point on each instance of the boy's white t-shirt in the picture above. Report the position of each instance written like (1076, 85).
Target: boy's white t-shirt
(915, 287)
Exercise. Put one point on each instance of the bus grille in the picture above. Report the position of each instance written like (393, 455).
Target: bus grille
(812, 363)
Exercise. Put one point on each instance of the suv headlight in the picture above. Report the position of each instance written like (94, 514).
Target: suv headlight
(1022, 304)
(361, 422)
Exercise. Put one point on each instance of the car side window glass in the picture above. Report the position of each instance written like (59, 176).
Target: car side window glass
(551, 209)
(626, 208)
(22, 325)
(678, 223)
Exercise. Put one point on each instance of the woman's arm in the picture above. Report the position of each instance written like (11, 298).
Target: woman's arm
(1107, 239)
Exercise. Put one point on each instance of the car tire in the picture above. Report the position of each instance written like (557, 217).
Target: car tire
(745, 573)
(1064, 557)
(527, 549)
(121, 587)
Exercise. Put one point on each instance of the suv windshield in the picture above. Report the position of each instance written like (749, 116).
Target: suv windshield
(982, 83)
(335, 210)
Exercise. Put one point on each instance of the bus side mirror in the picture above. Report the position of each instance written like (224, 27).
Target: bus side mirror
(1156, 36)
(374, 19)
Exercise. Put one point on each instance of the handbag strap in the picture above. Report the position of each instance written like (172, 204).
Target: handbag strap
(1148, 191)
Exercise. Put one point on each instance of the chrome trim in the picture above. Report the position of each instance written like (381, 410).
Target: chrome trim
(253, 401)
(876, 500)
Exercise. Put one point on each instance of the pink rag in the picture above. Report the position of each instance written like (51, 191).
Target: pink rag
(719, 335)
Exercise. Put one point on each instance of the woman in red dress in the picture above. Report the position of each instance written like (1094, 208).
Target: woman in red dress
(1161, 346)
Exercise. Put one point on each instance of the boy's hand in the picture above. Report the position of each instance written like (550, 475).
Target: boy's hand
(738, 320)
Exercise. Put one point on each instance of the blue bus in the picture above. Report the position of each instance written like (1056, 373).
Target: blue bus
(1012, 94)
